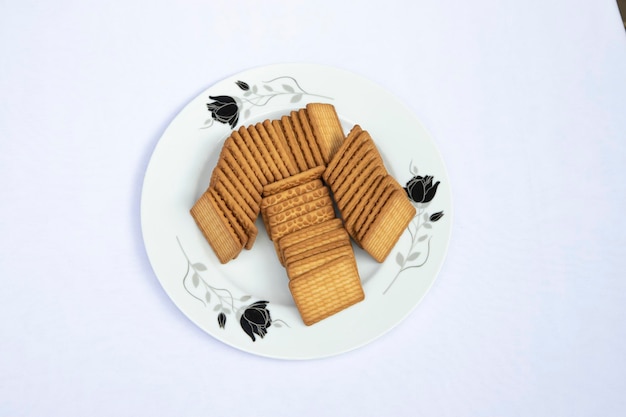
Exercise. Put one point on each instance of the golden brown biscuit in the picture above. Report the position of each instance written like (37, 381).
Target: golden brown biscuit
(301, 139)
(316, 244)
(326, 128)
(327, 290)
(362, 222)
(306, 233)
(297, 211)
(316, 216)
(292, 143)
(264, 149)
(309, 136)
(276, 135)
(386, 229)
(216, 228)
(251, 155)
(293, 181)
(235, 158)
(301, 266)
(351, 144)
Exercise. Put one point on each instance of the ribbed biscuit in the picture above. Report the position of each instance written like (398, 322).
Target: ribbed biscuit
(326, 128)
(327, 290)
(242, 180)
(310, 137)
(251, 155)
(364, 207)
(301, 139)
(362, 222)
(216, 228)
(354, 195)
(351, 144)
(353, 174)
(277, 137)
(330, 240)
(292, 143)
(293, 181)
(277, 157)
(299, 267)
(235, 158)
(242, 213)
(306, 233)
(263, 149)
(237, 227)
(385, 231)
(224, 174)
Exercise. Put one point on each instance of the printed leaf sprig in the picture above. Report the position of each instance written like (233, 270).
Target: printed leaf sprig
(227, 109)
(254, 318)
(421, 191)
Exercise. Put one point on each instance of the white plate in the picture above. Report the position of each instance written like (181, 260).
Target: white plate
(251, 292)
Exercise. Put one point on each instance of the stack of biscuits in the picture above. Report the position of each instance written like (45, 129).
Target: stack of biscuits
(292, 171)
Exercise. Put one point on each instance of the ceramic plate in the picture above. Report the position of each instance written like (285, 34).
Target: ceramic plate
(246, 303)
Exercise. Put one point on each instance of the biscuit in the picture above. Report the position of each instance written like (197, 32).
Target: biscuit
(230, 216)
(216, 228)
(353, 173)
(354, 195)
(242, 213)
(301, 140)
(386, 229)
(326, 128)
(315, 243)
(292, 143)
(276, 135)
(224, 174)
(296, 201)
(235, 158)
(252, 157)
(304, 234)
(264, 149)
(270, 141)
(362, 222)
(327, 290)
(310, 138)
(365, 206)
(293, 181)
(270, 200)
(301, 266)
(352, 142)
(300, 210)
(319, 215)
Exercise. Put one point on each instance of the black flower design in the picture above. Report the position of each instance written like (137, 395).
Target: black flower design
(221, 320)
(243, 85)
(421, 189)
(256, 319)
(224, 110)
(436, 216)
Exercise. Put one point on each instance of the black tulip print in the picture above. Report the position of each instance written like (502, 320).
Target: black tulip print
(256, 319)
(224, 109)
(243, 85)
(421, 189)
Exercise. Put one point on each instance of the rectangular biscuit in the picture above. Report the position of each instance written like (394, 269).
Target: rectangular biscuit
(386, 229)
(326, 128)
(328, 241)
(292, 142)
(216, 228)
(327, 290)
(306, 233)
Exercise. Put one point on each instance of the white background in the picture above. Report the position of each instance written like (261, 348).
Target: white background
(525, 101)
